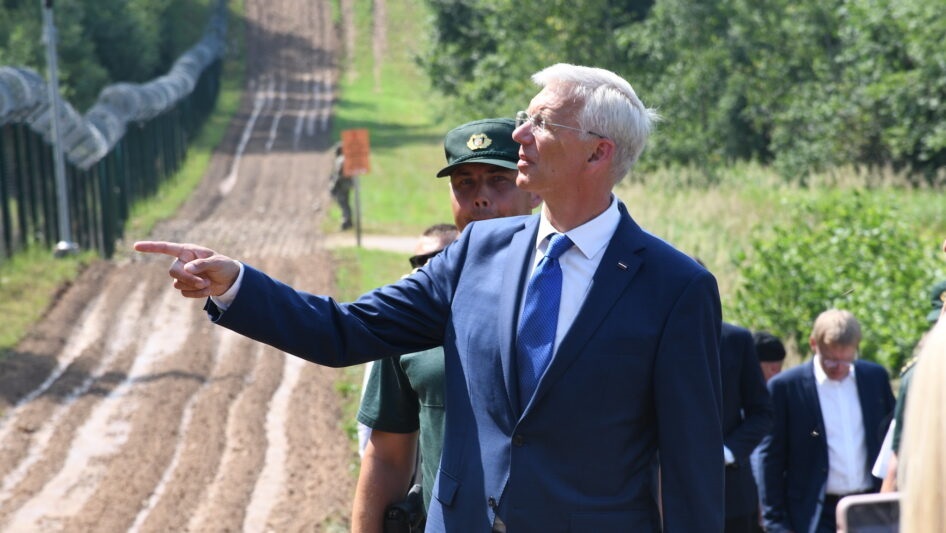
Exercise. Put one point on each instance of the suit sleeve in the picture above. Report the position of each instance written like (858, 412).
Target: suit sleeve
(773, 459)
(756, 405)
(688, 402)
(407, 316)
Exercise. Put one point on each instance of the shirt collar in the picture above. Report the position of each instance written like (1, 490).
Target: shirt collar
(591, 237)
(820, 375)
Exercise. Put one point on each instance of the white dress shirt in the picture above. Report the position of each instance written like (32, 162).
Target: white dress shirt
(224, 300)
(844, 428)
(578, 263)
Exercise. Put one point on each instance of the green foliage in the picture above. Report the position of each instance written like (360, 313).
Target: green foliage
(840, 250)
(30, 280)
(806, 85)
(481, 53)
(101, 41)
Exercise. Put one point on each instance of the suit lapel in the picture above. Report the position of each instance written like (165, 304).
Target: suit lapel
(520, 251)
(618, 266)
(813, 405)
(864, 397)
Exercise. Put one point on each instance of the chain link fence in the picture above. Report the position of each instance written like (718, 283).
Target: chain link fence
(133, 138)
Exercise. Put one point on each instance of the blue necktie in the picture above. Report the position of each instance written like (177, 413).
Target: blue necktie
(536, 336)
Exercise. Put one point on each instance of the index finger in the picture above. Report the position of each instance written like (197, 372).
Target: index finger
(172, 249)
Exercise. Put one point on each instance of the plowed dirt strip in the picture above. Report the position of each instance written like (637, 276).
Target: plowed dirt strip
(125, 409)
(55, 420)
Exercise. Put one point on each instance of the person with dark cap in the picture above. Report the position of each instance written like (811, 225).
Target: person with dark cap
(771, 353)
(403, 401)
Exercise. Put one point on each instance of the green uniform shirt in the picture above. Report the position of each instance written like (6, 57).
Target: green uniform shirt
(900, 407)
(405, 394)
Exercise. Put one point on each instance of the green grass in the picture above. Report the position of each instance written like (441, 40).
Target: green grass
(400, 195)
(716, 222)
(30, 281)
(361, 270)
(358, 271)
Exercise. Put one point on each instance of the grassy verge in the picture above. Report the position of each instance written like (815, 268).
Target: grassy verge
(400, 195)
(30, 281)
(360, 270)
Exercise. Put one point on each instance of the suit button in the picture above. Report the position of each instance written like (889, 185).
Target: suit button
(491, 502)
(518, 440)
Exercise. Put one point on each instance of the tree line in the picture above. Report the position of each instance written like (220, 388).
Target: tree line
(101, 41)
(802, 85)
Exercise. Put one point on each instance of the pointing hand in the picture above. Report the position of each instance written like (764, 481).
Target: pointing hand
(198, 272)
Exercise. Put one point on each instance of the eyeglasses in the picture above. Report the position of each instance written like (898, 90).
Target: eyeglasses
(418, 261)
(538, 122)
(836, 363)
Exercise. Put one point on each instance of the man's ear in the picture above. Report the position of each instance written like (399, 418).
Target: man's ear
(604, 151)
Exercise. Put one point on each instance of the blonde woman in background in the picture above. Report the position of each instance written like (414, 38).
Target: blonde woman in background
(923, 465)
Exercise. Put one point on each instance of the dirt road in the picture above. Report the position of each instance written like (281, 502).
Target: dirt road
(126, 410)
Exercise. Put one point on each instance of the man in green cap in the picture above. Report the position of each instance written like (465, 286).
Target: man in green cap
(404, 397)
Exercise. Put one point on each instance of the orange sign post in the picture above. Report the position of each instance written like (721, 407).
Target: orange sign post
(357, 150)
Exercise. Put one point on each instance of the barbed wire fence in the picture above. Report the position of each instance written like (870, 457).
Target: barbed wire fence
(133, 138)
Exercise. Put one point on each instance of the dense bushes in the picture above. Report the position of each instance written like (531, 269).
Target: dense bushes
(845, 250)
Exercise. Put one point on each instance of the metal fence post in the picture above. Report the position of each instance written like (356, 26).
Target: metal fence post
(65, 246)
(6, 220)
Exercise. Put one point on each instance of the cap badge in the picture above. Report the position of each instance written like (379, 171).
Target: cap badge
(478, 141)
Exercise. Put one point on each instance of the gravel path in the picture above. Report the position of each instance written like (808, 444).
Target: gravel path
(126, 410)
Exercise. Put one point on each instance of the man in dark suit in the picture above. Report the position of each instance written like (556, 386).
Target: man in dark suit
(829, 416)
(553, 420)
(747, 418)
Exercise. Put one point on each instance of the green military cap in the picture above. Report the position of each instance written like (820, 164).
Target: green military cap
(937, 298)
(481, 141)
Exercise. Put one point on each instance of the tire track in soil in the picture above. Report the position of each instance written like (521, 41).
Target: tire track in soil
(124, 409)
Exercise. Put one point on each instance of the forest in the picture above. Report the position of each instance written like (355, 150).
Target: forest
(803, 85)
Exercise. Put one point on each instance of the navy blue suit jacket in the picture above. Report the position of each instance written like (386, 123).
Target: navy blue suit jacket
(794, 456)
(747, 416)
(638, 371)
